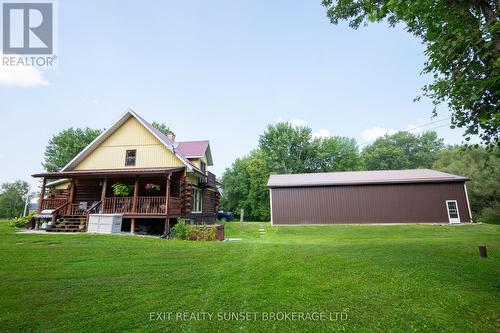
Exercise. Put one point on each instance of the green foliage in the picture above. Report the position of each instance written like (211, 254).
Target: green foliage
(283, 148)
(121, 189)
(13, 198)
(162, 127)
(180, 230)
(193, 232)
(483, 168)
(65, 145)
(245, 187)
(491, 214)
(20, 221)
(462, 40)
(288, 149)
(402, 150)
(337, 154)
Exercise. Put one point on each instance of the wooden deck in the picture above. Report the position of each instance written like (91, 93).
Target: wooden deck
(154, 206)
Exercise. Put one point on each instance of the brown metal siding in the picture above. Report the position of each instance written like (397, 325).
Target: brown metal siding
(394, 203)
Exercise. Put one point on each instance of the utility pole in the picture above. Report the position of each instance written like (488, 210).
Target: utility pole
(27, 201)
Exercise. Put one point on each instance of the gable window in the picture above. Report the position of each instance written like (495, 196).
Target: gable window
(197, 199)
(203, 166)
(130, 157)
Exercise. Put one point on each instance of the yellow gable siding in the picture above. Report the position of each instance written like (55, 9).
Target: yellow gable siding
(131, 135)
(192, 179)
(196, 161)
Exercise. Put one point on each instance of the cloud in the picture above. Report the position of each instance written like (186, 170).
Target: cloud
(296, 122)
(21, 76)
(321, 133)
(372, 133)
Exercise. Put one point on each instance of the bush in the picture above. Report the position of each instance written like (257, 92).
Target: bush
(192, 232)
(19, 222)
(490, 214)
(180, 230)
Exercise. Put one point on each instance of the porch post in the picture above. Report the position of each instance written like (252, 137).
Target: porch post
(134, 200)
(40, 201)
(42, 194)
(134, 205)
(103, 193)
(167, 226)
(132, 225)
(167, 196)
(71, 196)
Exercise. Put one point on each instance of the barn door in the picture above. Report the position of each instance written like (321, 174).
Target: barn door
(452, 207)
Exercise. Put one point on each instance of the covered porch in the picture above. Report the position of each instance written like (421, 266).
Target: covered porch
(160, 193)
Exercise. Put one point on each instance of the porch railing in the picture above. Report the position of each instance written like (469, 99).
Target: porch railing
(53, 203)
(84, 208)
(150, 205)
(120, 205)
(143, 205)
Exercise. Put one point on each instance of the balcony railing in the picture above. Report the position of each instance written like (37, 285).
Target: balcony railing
(209, 180)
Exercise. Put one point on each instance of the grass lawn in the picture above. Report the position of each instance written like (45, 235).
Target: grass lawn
(411, 278)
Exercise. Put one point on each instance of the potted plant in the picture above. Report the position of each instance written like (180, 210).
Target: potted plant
(121, 190)
(82, 224)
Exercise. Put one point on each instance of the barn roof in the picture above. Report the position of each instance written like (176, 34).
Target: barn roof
(362, 177)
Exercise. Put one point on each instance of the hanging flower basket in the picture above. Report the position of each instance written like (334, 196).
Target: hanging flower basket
(152, 187)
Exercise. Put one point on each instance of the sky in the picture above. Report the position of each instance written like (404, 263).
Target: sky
(216, 70)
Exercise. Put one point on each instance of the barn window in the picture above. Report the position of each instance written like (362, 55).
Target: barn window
(130, 157)
(453, 213)
(452, 209)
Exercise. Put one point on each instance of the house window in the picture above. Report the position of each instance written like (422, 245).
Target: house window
(203, 166)
(130, 157)
(197, 196)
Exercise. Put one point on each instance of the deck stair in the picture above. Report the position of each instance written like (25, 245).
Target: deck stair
(70, 223)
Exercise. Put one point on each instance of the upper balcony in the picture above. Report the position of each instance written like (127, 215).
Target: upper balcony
(208, 181)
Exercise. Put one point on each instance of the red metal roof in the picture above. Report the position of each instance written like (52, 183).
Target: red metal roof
(362, 177)
(192, 148)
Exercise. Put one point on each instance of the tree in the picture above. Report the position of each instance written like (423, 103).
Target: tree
(288, 149)
(338, 154)
(462, 40)
(65, 145)
(245, 187)
(483, 168)
(12, 198)
(162, 127)
(402, 150)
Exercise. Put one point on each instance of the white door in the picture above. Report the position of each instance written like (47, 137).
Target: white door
(452, 208)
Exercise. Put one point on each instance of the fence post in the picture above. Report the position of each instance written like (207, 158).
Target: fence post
(242, 215)
(482, 251)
